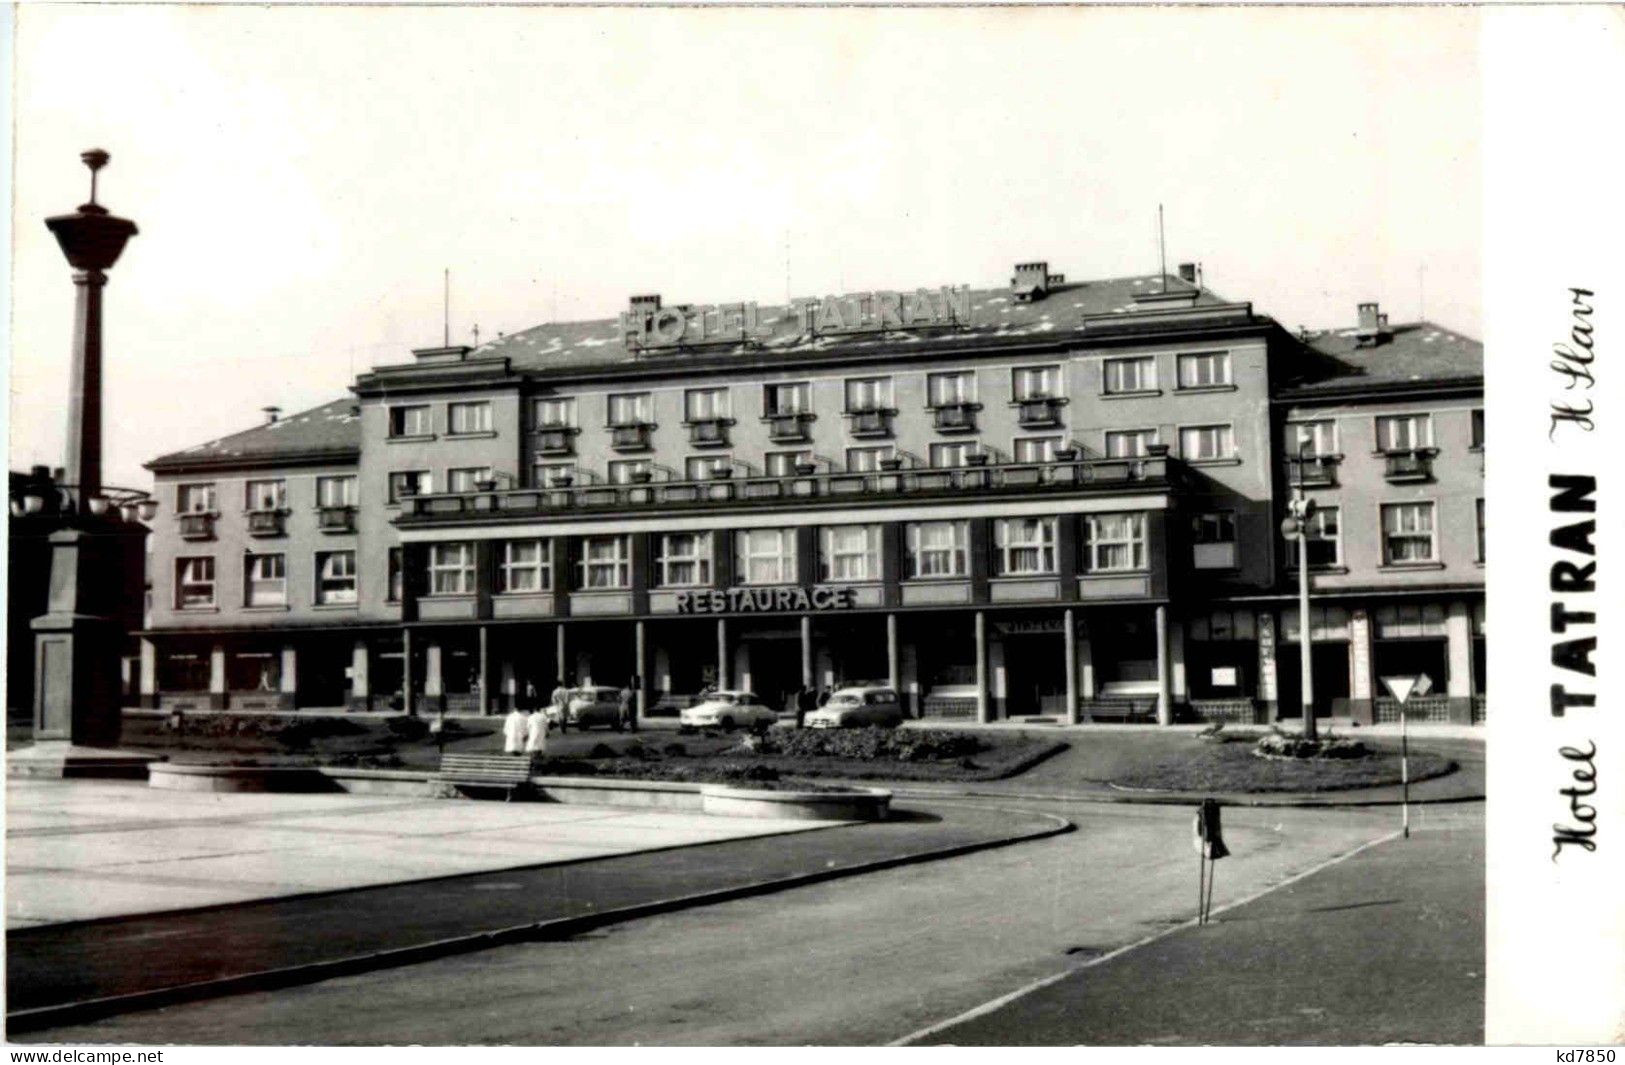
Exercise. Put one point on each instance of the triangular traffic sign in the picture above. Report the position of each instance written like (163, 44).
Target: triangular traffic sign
(1401, 688)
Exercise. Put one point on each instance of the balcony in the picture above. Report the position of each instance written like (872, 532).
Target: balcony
(709, 432)
(199, 526)
(1026, 480)
(633, 436)
(792, 428)
(336, 519)
(955, 417)
(1042, 412)
(1405, 467)
(1317, 471)
(871, 423)
(267, 523)
(554, 440)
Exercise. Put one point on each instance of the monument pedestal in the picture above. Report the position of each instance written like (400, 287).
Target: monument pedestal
(61, 758)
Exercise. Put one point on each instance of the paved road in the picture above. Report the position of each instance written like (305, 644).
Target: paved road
(1386, 947)
(858, 961)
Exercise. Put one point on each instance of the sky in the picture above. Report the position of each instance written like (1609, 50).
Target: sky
(302, 176)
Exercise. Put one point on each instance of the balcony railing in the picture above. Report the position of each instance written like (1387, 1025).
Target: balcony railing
(556, 440)
(635, 436)
(267, 523)
(339, 519)
(789, 428)
(955, 417)
(1405, 466)
(1042, 412)
(872, 422)
(199, 526)
(1091, 474)
(709, 432)
(1315, 471)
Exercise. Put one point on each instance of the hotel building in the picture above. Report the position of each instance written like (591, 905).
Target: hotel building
(1048, 499)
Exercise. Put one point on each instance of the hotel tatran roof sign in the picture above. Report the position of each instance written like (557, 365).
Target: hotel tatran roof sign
(742, 323)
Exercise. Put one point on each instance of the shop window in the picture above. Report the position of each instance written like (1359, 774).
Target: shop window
(414, 420)
(849, 553)
(1129, 443)
(937, 549)
(526, 567)
(335, 577)
(1323, 540)
(1204, 369)
(1129, 375)
(765, 556)
(469, 418)
(1408, 534)
(684, 560)
(1024, 546)
(1114, 543)
(194, 582)
(1325, 623)
(265, 580)
(1213, 540)
(606, 562)
(451, 569)
(1408, 621)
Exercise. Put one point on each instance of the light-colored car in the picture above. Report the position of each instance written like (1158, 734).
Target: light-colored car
(856, 707)
(727, 710)
(595, 705)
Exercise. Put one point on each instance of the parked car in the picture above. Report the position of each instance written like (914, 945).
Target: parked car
(594, 705)
(727, 710)
(856, 707)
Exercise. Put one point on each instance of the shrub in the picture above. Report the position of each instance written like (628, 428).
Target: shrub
(674, 749)
(601, 750)
(407, 728)
(873, 744)
(1280, 744)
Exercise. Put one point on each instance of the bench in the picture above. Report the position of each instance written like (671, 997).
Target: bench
(505, 771)
(1124, 708)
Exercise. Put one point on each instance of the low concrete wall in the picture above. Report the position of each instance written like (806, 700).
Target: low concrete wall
(867, 804)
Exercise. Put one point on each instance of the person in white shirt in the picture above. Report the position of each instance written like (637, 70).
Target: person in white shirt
(513, 732)
(536, 726)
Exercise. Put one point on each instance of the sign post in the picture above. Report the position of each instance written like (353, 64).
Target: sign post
(1402, 688)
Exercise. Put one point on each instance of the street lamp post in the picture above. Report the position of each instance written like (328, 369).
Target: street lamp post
(1297, 526)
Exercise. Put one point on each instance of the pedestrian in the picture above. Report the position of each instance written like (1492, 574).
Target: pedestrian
(513, 732)
(792, 703)
(627, 717)
(536, 726)
(806, 703)
(561, 704)
(528, 699)
(823, 696)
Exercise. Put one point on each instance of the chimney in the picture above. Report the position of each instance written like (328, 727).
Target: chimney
(1031, 282)
(271, 414)
(1368, 316)
(1372, 327)
(1187, 273)
(645, 304)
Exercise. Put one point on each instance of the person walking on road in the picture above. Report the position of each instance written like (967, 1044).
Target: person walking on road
(536, 726)
(513, 731)
(806, 703)
(561, 704)
(628, 717)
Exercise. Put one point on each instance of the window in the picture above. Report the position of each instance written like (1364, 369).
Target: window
(1036, 382)
(1204, 369)
(265, 580)
(1478, 512)
(937, 549)
(1478, 428)
(547, 474)
(946, 389)
(396, 575)
(466, 418)
(335, 491)
(1404, 432)
(467, 478)
(787, 399)
(626, 471)
(705, 404)
(266, 495)
(606, 562)
(849, 553)
(335, 576)
(411, 421)
(784, 463)
(1323, 540)
(1130, 375)
(1213, 540)
(705, 467)
(1116, 542)
(685, 560)
(1408, 533)
(1024, 546)
(553, 413)
(629, 408)
(1129, 443)
(1036, 448)
(765, 556)
(1321, 436)
(955, 454)
(194, 582)
(404, 483)
(868, 393)
(451, 569)
(194, 498)
(1200, 443)
(525, 567)
(866, 459)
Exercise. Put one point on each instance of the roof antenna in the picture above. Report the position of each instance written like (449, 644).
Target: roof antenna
(445, 304)
(1162, 253)
(1421, 292)
(476, 334)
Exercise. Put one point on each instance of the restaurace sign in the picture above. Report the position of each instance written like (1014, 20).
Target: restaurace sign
(863, 312)
(746, 600)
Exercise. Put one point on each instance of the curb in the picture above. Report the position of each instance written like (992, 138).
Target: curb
(1179, 799)
(42, 1017)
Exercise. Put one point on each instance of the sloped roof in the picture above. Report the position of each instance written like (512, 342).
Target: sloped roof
(1414, 352)
(332, 430)
(995, 314)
